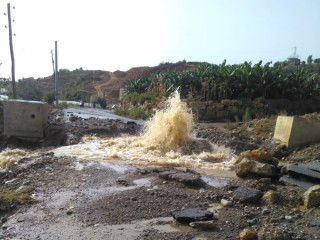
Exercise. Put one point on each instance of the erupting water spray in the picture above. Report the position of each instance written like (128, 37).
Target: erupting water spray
(166, 141)
(171, 127)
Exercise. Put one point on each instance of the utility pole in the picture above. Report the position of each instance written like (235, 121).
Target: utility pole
(12, 55)
(56, 77)
(53, 72)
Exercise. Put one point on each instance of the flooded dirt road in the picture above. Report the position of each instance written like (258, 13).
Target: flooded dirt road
(117, 184)
(83, 199)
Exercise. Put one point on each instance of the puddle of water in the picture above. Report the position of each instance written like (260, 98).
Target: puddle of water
(119, 168)
(126, 150)
(134, 229)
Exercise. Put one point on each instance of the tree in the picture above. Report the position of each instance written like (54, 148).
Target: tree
(309, 60)
(28, 90)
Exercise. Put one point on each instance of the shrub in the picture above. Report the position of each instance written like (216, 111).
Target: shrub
(135, 112)
(102, 102)
(247, 115)
(50, 97)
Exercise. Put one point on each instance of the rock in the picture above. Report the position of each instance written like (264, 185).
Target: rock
(69, 211)
(297, 182)
(3, 172)
(265, 211)
(271, 197)
(310, 170)
(4, 219)
(187, 178)
(312, 197)
(247, 195)
(288, 218)
(246, 167)
(204, 225)
(21, 219)
(226, 203)
(58, 119)
(13, 183)
(248, 234)
(122, 182)
(73, 118)
(259, 155)
(315, 222)
(189, 215)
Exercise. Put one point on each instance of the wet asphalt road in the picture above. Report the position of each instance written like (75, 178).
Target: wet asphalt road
(87, 113)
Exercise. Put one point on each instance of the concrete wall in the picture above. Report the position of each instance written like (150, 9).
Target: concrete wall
(25, 118)
(297, 131)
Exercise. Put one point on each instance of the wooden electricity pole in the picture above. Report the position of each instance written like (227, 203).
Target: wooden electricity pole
(53, 65)
(56, 75)
(12, 55)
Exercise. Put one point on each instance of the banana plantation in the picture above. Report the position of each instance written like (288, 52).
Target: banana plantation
(211, 82)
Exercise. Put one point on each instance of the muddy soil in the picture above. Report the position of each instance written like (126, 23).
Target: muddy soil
(83, 199)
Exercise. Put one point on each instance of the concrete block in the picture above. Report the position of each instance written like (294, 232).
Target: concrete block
(25, 118)
(297, 131)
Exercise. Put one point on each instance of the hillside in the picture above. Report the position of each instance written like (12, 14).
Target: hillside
(90, 84)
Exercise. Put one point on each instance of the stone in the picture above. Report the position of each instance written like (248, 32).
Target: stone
(259, 155)
(73, 118)
(21, 219)
(271, 197)
(248, 234)
(13, 183)
(246, 167)
(297, 182)
(187, 178)
(69, 211)
(310, 170)
(312, 197)
(3, 172)
(226, 203)
(247, 195)
(188, 215)
(204, 225)
(315, 222)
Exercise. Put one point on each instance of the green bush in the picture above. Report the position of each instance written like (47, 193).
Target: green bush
(134, 113)
(139, 98)
(247, 115)
(50, 97)
(28, 90)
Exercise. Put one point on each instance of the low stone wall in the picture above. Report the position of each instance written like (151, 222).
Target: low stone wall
(246, 109)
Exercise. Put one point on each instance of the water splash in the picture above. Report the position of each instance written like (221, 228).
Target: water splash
(10, 156)
(166, 141)
(169, 128)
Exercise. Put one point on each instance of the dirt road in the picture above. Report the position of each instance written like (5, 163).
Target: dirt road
(77, 198)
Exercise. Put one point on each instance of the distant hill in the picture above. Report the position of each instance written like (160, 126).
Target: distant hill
(90, 84)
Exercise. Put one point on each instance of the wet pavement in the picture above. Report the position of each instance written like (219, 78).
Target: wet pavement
(86, 113)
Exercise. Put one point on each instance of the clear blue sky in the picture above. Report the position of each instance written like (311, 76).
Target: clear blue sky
(120, 34)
